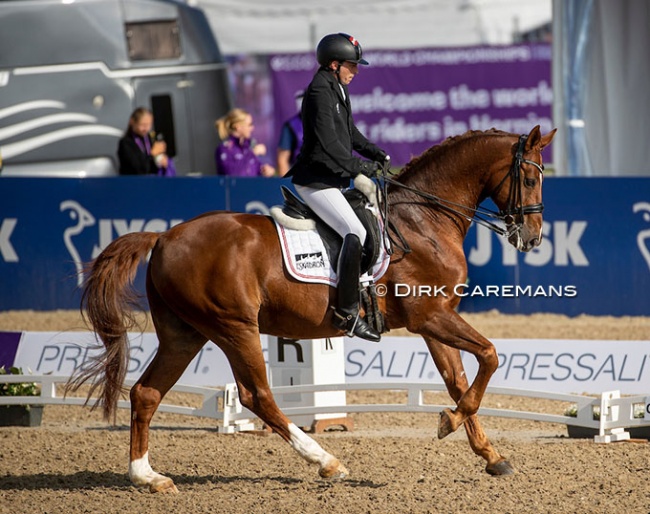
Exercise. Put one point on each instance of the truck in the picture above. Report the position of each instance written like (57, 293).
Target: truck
(72, 71)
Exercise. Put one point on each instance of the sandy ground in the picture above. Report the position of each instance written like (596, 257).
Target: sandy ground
(75, 463)
(490, 324)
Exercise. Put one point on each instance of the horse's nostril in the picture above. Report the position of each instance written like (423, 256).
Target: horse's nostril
(534, 242)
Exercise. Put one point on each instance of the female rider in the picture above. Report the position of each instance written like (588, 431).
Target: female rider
(326, 165)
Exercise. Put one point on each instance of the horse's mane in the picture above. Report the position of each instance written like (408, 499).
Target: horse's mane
(437, 152)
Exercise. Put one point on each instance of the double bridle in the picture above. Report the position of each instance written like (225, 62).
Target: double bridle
(512, 216)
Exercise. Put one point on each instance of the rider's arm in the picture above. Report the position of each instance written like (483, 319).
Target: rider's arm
(365, 147)
(321, 107)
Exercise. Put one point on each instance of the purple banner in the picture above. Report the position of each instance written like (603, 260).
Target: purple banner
(8, 347)
(409, 100)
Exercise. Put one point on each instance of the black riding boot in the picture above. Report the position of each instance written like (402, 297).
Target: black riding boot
(346, 316)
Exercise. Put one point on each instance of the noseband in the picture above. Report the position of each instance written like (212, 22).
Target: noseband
(512, 216)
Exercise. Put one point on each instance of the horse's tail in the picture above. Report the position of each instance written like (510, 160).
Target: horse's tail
(108, 299)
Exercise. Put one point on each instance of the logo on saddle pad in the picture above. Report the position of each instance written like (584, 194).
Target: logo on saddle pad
(309, 261)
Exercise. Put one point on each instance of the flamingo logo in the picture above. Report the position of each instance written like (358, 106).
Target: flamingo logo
(644, 235)
(84, 219)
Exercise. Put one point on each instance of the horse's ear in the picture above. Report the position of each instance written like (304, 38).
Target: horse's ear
(534, 138)
(546, 140)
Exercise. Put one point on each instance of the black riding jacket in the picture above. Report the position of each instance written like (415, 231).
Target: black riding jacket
(330, 135)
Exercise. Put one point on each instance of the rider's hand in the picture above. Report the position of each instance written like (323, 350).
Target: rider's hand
(369, 168)
(382, 157)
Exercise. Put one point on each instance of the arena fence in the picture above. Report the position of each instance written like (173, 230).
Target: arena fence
(615, 413)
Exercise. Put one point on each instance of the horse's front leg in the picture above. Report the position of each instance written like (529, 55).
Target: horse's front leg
(450, 365)
(452, 330)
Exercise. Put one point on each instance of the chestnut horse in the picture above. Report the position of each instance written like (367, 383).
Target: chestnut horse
(220, 277)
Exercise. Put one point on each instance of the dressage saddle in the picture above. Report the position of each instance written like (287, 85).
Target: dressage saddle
(294, 207)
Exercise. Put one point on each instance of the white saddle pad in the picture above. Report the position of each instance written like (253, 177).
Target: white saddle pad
(306, 259)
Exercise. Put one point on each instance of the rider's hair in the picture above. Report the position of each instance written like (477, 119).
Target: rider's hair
(225, 125)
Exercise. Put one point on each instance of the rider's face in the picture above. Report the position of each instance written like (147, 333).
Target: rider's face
(347, 72)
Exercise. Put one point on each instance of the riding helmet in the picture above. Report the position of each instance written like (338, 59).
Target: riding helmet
(339, 47)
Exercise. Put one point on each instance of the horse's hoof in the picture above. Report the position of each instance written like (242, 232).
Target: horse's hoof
(333, 471)
(164, 485)
(446, 425)
(500, 468)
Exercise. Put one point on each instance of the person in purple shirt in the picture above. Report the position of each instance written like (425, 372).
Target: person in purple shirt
(290, 139)
(236, 155)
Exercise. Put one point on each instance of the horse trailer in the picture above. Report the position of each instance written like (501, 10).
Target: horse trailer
(72, 71)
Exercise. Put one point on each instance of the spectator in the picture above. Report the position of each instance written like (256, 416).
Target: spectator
(237, 155)
(290, 139)
(140, 152)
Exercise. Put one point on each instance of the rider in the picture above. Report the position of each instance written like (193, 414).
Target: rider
(326, 165)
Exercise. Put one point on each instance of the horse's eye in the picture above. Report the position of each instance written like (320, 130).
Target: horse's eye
(530, 182)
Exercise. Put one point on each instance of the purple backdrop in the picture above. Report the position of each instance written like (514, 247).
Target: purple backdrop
(409, 100)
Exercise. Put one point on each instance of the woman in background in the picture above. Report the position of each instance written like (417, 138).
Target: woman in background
(138, 153)
(236, 155)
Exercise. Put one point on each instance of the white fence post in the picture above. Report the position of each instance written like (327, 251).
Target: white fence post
(309, 362)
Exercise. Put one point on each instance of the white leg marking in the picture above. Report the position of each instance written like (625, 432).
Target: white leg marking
(140, 471)
(309, 449)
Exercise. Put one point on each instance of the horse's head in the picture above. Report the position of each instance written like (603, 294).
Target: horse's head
(518, 192)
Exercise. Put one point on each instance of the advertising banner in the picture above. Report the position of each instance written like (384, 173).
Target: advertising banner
(594, 257)
(567, 366)
(49, 228)
(408, 100)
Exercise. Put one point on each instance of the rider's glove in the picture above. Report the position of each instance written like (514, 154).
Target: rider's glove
(369, 168)
(382, 157)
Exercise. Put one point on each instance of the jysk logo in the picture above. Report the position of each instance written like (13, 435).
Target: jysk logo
(643, 237)
(309, 261)
(7, 251)
(108, 230)
(560, 246)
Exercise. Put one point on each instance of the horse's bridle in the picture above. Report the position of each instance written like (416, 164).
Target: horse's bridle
(512, 216)
(515, 204)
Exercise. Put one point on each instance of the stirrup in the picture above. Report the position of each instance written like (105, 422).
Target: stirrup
(355, 326)
(343, 322)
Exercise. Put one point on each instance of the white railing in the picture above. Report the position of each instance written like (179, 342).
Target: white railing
(616, 413)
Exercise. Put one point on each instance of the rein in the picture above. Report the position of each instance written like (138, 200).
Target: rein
(479, 215)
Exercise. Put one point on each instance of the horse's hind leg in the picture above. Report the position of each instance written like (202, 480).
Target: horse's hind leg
(450, 365)
(247, 361)
(179, 343)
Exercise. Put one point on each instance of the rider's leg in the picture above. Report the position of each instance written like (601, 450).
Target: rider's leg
(332, 207)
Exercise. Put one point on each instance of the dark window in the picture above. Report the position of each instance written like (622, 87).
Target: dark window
(163, 119)
(153, 40)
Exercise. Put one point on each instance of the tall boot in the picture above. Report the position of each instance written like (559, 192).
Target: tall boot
(346, 315)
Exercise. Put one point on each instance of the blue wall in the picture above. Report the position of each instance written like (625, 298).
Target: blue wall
(595, 242)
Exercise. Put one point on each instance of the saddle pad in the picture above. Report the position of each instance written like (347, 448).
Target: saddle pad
(306, 259)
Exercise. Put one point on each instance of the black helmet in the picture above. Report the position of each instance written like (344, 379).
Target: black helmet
(339, 47)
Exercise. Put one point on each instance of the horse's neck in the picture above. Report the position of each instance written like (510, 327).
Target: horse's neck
(453, 175)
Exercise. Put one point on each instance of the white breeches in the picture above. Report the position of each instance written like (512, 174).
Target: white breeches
(332, 207)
